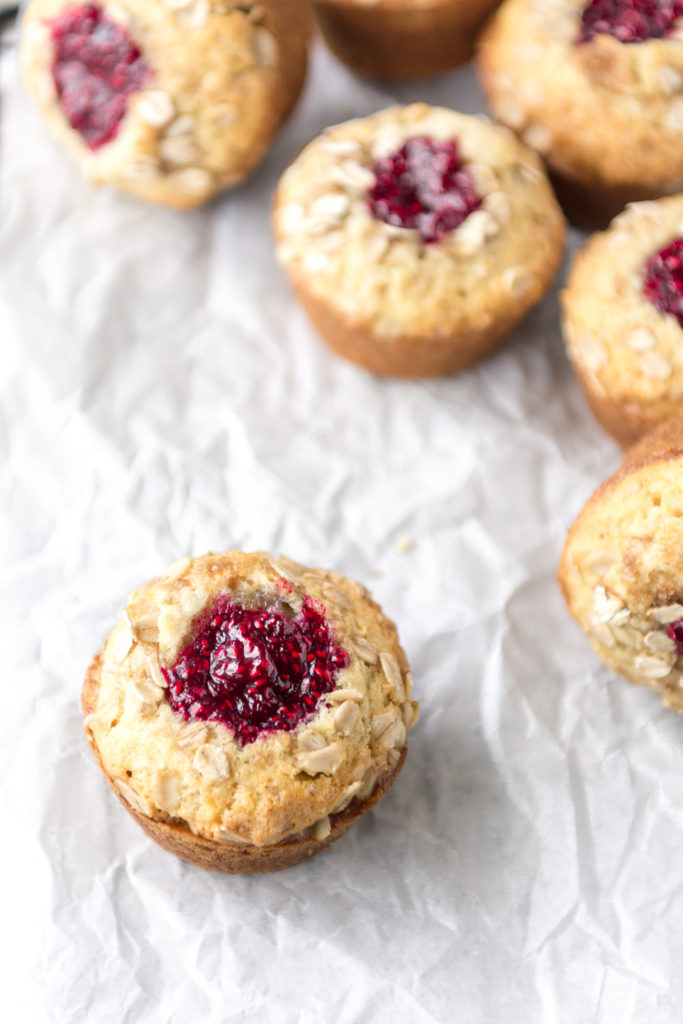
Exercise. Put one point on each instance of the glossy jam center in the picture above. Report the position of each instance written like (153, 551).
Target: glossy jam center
(96, 68)
(255, 670)
(675, 631)
(423, 186)
(629, 21)
(664, 280)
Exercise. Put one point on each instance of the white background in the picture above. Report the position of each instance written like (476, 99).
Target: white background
(161, 394)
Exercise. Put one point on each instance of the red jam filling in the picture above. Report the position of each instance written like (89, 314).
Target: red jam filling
(423, 186)
(675, 631)
(664, 280)
(96, 68)
(629, 21)
(255, 670)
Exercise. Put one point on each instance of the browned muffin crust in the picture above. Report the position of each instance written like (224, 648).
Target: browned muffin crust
(233, 858)
(606, 116)
(197, 789)
(628, 356)
(621, 569)
(402, 39)
(226, 75)
(381, 297)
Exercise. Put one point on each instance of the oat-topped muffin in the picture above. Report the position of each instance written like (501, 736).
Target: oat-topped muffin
(170, 100)
(596, 86)
(623, 319)
(622, 565)
(246, 710)
(402, 39)
(417, 238)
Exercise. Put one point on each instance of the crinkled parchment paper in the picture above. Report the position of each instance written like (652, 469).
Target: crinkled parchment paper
(161, 394)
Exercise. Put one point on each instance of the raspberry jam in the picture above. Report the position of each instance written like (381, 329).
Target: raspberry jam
(664, 280)
(423, 186)
(675, 631)
(96, 68)
(629, 21)
(255, 670)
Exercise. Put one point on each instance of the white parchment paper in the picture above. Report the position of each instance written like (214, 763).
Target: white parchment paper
(161, 394)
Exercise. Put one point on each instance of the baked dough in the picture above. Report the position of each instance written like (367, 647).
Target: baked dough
(377, 293)
(402, 39)
(622, 566)
(627, 354)
(194, 785)
(220, 78)
(607, 116)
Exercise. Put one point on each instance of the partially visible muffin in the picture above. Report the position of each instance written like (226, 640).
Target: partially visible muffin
(246, 710)
(402, 39)
(622, 566)
(416, 238)
(169, 100)
(597, 88)
(623, 319)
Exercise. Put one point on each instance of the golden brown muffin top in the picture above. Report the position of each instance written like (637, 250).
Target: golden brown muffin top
(622, 566)
(617, 337)
(204, 118)
(198, 772)
(383, 276)
(603, 107)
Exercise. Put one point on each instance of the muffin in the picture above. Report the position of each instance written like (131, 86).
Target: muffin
(597, 89)
(246, 710)
(623, 319)
(402, 39)
(622, 565)
(168, 100)
(417, 237)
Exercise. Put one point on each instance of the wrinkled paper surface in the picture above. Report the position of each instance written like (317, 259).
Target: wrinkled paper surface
(162, 394)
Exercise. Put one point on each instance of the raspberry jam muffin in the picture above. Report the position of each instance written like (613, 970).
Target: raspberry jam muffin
(169, 100)
(597, 88)
(402, 39)
(417, 238)
(623, 319)
(247, 710)
(622, 565)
